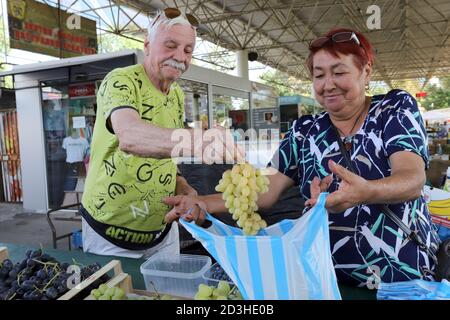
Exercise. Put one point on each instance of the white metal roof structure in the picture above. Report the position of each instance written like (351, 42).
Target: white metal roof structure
(412, 43)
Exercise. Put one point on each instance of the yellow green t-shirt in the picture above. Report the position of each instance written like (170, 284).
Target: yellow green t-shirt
(123, 192)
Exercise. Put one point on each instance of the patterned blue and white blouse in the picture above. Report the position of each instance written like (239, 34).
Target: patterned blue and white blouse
(362, 236)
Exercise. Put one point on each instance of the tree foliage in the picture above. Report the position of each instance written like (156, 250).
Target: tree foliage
(286, 85)
(110, 42)
(438, 97)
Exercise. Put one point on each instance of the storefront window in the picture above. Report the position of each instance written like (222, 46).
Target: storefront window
(231, 108)
(265, 112)
(68, 116)
(195, 103)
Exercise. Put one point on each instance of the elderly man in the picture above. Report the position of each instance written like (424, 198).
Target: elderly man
(139, 107)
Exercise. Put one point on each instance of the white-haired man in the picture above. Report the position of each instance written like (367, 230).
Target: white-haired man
(131, 170)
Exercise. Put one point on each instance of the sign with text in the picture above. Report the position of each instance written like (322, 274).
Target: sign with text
(82, 90)
(40, 28)
(79, 122)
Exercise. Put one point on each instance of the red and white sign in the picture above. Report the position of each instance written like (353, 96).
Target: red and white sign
(82, 90)
(421, 94)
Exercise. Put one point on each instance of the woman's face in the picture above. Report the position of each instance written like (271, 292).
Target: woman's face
(338, 83)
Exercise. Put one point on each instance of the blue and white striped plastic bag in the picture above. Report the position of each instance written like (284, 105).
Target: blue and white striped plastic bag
(286, 261)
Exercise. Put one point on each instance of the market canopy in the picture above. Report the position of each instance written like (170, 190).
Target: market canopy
(437, 115)
(411, 43)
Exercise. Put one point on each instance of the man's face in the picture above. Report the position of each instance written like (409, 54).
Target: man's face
(169, 53)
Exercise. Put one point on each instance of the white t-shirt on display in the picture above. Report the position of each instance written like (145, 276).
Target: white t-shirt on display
(75, 148)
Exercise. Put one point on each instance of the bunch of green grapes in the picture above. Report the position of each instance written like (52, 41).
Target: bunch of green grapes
(104, 292)
(240, 187)
(222, 292)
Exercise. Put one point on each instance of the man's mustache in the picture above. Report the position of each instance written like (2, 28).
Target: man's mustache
(175, 64)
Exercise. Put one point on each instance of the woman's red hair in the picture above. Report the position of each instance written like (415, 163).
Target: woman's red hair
(362, 54)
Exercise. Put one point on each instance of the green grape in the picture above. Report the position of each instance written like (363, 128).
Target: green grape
(245, 191)
(110, 291)
(236, 170)
(229, 188)
(262, 224)
(244, 206)
(166, 297)
(220, 188)
(205, 290)
(102, 288)
(119, 294)
(227, 174)
(243, 182)
(247, 230)
(104, 297)
(224, 287)
(96, 293)
(200, 297)
(235, 179)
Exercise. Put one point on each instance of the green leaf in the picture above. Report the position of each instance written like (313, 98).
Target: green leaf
(377, 223)
(393, 231)
(364, 266)
(411, 270)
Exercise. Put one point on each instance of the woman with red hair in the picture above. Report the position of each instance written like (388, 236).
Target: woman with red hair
(386, 143)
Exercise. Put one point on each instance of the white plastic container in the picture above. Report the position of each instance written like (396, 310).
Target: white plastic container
(178, 275)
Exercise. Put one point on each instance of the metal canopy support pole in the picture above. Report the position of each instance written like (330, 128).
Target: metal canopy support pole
(242, 63)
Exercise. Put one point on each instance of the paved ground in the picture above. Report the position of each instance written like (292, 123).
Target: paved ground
(21, 227)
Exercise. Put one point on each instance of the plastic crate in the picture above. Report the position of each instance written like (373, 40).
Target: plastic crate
(178, 275)
(211, 278)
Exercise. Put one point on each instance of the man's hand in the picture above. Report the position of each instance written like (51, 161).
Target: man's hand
(219, 147)
(184, 188)
(187, 207)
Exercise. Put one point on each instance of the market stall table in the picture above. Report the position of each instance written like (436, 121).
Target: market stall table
(132, 267)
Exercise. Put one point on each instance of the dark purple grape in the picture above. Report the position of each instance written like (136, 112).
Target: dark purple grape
(8, 264)
(23, 264)
(62, 289)
(41, 274)
(64, 266)
(4, 272)
(27, 285)
(31, 263)
(28, 253)
(36, 253)
(14, 284)
(45, 257)
(13, 274)
(51, 293)
(28, 271)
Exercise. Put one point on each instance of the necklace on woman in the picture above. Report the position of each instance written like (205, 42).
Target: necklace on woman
(348, 139)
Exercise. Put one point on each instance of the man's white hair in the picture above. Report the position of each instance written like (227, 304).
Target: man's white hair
(168, 23)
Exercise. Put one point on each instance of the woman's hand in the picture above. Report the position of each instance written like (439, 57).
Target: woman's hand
(318, 186)
(187, 207)
(184, 188)
(353, 190)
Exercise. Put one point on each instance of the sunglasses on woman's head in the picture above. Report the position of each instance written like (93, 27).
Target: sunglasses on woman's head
(345, 36)
(172, 13)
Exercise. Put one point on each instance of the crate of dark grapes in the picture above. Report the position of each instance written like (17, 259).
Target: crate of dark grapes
(39, 276)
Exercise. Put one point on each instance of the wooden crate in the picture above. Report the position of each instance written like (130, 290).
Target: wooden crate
(114, 265)
(3, 253)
